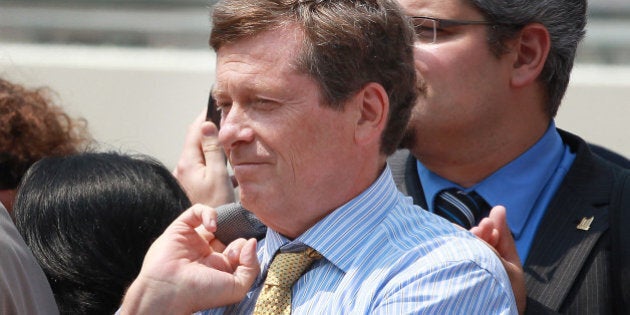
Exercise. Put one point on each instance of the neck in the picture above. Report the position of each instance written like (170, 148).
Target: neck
(341, 189)
(467, 161)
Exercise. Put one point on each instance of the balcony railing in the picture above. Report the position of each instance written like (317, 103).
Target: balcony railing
(185, 24)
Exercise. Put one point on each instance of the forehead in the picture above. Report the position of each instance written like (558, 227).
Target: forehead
(438, 8)
(270, 54)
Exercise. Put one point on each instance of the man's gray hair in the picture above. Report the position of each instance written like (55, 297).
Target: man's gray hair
(565, 21)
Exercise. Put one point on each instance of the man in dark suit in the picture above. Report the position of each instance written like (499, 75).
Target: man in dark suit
(492, 79)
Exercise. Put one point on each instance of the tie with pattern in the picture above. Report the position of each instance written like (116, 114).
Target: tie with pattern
(285, 270)
(464, 209)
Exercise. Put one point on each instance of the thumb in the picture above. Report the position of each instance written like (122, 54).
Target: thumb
(249, 267)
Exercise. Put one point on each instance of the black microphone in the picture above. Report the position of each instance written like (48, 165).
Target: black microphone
(234, 221)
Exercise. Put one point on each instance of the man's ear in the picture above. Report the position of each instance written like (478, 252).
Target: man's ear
(531, 47)
(373, 112)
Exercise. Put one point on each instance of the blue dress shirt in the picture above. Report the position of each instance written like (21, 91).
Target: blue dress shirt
(525, 186)
(383, 255)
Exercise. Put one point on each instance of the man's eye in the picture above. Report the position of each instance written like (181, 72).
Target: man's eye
(264, 104)
(423, 31)
(223, 106)
(439, 29)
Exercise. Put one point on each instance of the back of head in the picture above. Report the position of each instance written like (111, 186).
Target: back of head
(565, 21)
(89, 220)
(347, 44)
(32, 127)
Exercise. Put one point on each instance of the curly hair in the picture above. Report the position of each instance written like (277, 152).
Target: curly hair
(33, 127)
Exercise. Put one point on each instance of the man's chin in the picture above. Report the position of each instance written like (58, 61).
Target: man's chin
(250, 194)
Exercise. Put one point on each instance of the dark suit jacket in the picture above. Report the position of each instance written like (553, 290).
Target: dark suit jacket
(568, 270)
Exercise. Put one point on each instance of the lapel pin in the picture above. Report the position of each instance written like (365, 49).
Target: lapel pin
(585, 224)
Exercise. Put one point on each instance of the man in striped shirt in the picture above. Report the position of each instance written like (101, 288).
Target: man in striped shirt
(313, 96)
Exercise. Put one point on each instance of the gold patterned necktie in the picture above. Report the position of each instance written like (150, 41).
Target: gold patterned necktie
(284, 271)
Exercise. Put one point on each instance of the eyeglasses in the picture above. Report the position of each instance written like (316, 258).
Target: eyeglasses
(427, 28)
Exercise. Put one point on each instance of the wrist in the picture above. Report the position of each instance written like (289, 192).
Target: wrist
(148, 297)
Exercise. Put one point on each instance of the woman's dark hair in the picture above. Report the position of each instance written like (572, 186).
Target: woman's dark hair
(90, 218)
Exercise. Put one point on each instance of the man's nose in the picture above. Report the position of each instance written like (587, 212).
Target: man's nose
(235, 127)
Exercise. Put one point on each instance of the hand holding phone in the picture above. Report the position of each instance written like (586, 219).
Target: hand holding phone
(213, 114)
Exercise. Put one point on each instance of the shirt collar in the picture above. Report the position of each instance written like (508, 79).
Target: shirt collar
(516, 185)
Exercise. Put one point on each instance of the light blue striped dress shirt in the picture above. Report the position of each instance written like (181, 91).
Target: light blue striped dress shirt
(383, 255)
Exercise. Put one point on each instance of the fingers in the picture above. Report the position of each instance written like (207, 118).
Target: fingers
(215, 170)
(191, 154)
(243, 276)
(198, 215)
(505, 245)
(233, 251)
(212, 150)
(506, 248)
(495, 231)
(487, 232)
(217, 245)
(249, 268)
(215, 160)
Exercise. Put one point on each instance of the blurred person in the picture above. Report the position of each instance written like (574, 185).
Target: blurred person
(23, 286)
(90, 218)
(314, 95)
(32, 127)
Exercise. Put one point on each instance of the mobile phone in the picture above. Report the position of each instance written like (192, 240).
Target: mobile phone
(213, 114)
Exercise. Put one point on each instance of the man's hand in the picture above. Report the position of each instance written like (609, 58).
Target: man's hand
(495, 231)
(201, 168)
(182, 273)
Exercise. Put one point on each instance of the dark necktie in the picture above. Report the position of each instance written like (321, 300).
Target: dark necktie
(464, 209)
(285, 269)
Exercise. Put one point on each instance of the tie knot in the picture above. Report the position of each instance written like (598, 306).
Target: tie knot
(464, 209)
(286, 268)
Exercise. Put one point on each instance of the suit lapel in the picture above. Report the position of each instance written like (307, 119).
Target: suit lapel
(412, 182)
(405, 172)
(560, 249)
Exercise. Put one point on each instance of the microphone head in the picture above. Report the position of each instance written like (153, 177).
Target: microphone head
(234, 221)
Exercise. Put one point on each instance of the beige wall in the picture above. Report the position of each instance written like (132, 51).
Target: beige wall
(597, 106)
(135, 100)
(142, 100)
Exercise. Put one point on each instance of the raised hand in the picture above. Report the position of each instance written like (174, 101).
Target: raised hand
(201, 168)
(182, 273)
(495, 231)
